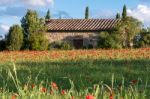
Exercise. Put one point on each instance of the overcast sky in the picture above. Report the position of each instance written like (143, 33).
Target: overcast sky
(11, 11)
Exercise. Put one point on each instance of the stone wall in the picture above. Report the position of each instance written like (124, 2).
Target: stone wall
(88, 37)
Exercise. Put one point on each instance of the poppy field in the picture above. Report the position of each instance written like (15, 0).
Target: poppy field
(75, 74)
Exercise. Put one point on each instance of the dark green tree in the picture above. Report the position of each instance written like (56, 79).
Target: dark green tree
(34, 31)
(87, 13)
(48, 15)
(118, 16)
(124, 12)
(15, 38)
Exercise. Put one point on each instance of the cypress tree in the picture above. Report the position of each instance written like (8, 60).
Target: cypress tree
(124, 12)
(48, 15)
(87, 13)
(118, 16)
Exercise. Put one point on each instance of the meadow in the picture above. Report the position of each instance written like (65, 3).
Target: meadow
(79, 68)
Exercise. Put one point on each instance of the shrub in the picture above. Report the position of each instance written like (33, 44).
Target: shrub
(66, 46)
(143, 41)
(101, 40)
(109, 40)
(38, 42)
(15, 38)
(60, 45)
(55, 45)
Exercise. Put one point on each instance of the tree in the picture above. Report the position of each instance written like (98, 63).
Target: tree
(34, 31)
(127, 30)
(48, 15)
(143, 39)
(117, 16)
(87, 13)
(124, 12)
(15, 38)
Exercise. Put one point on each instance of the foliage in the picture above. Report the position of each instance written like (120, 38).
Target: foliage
(118, 16)
(84, 67)
(15, 38)
(135, 89)
(38, 41)
(127, 30)
(87, 13)
(61, 45)
(48, 15)
(123, 34)
(66, 46)
(124, 12)
(109, 40)
(143, 40)
(34, 31)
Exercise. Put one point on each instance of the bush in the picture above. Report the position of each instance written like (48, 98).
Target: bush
(38, 42)
(55, 45)
(101, 40)
(66, 46)
(60, 45)
(143, 41)
(109, 40)
(15, 38)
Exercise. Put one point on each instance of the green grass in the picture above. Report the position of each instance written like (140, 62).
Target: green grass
(83, 73)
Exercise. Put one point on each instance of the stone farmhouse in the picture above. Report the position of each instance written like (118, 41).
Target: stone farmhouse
(78, 32)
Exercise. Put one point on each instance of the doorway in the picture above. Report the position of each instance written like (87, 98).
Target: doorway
(78, 43)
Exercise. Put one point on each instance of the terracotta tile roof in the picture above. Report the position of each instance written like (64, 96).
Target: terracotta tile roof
(81, 24)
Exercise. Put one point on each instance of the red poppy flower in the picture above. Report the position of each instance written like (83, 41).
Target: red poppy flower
(63, 92)
(54, 85)
(111, 97)
(13, 97)
(32, 86)
(72, 97)
(89, 97)
(43, 89)
(134, 81)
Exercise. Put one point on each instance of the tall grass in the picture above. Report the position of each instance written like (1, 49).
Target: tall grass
(76, 74)
(50, 90)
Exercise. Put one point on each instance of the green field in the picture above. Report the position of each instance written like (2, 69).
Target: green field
(83, 72)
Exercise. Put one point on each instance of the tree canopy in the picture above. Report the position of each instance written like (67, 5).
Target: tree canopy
(15, 38)
(128, 29)
(34, 31)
